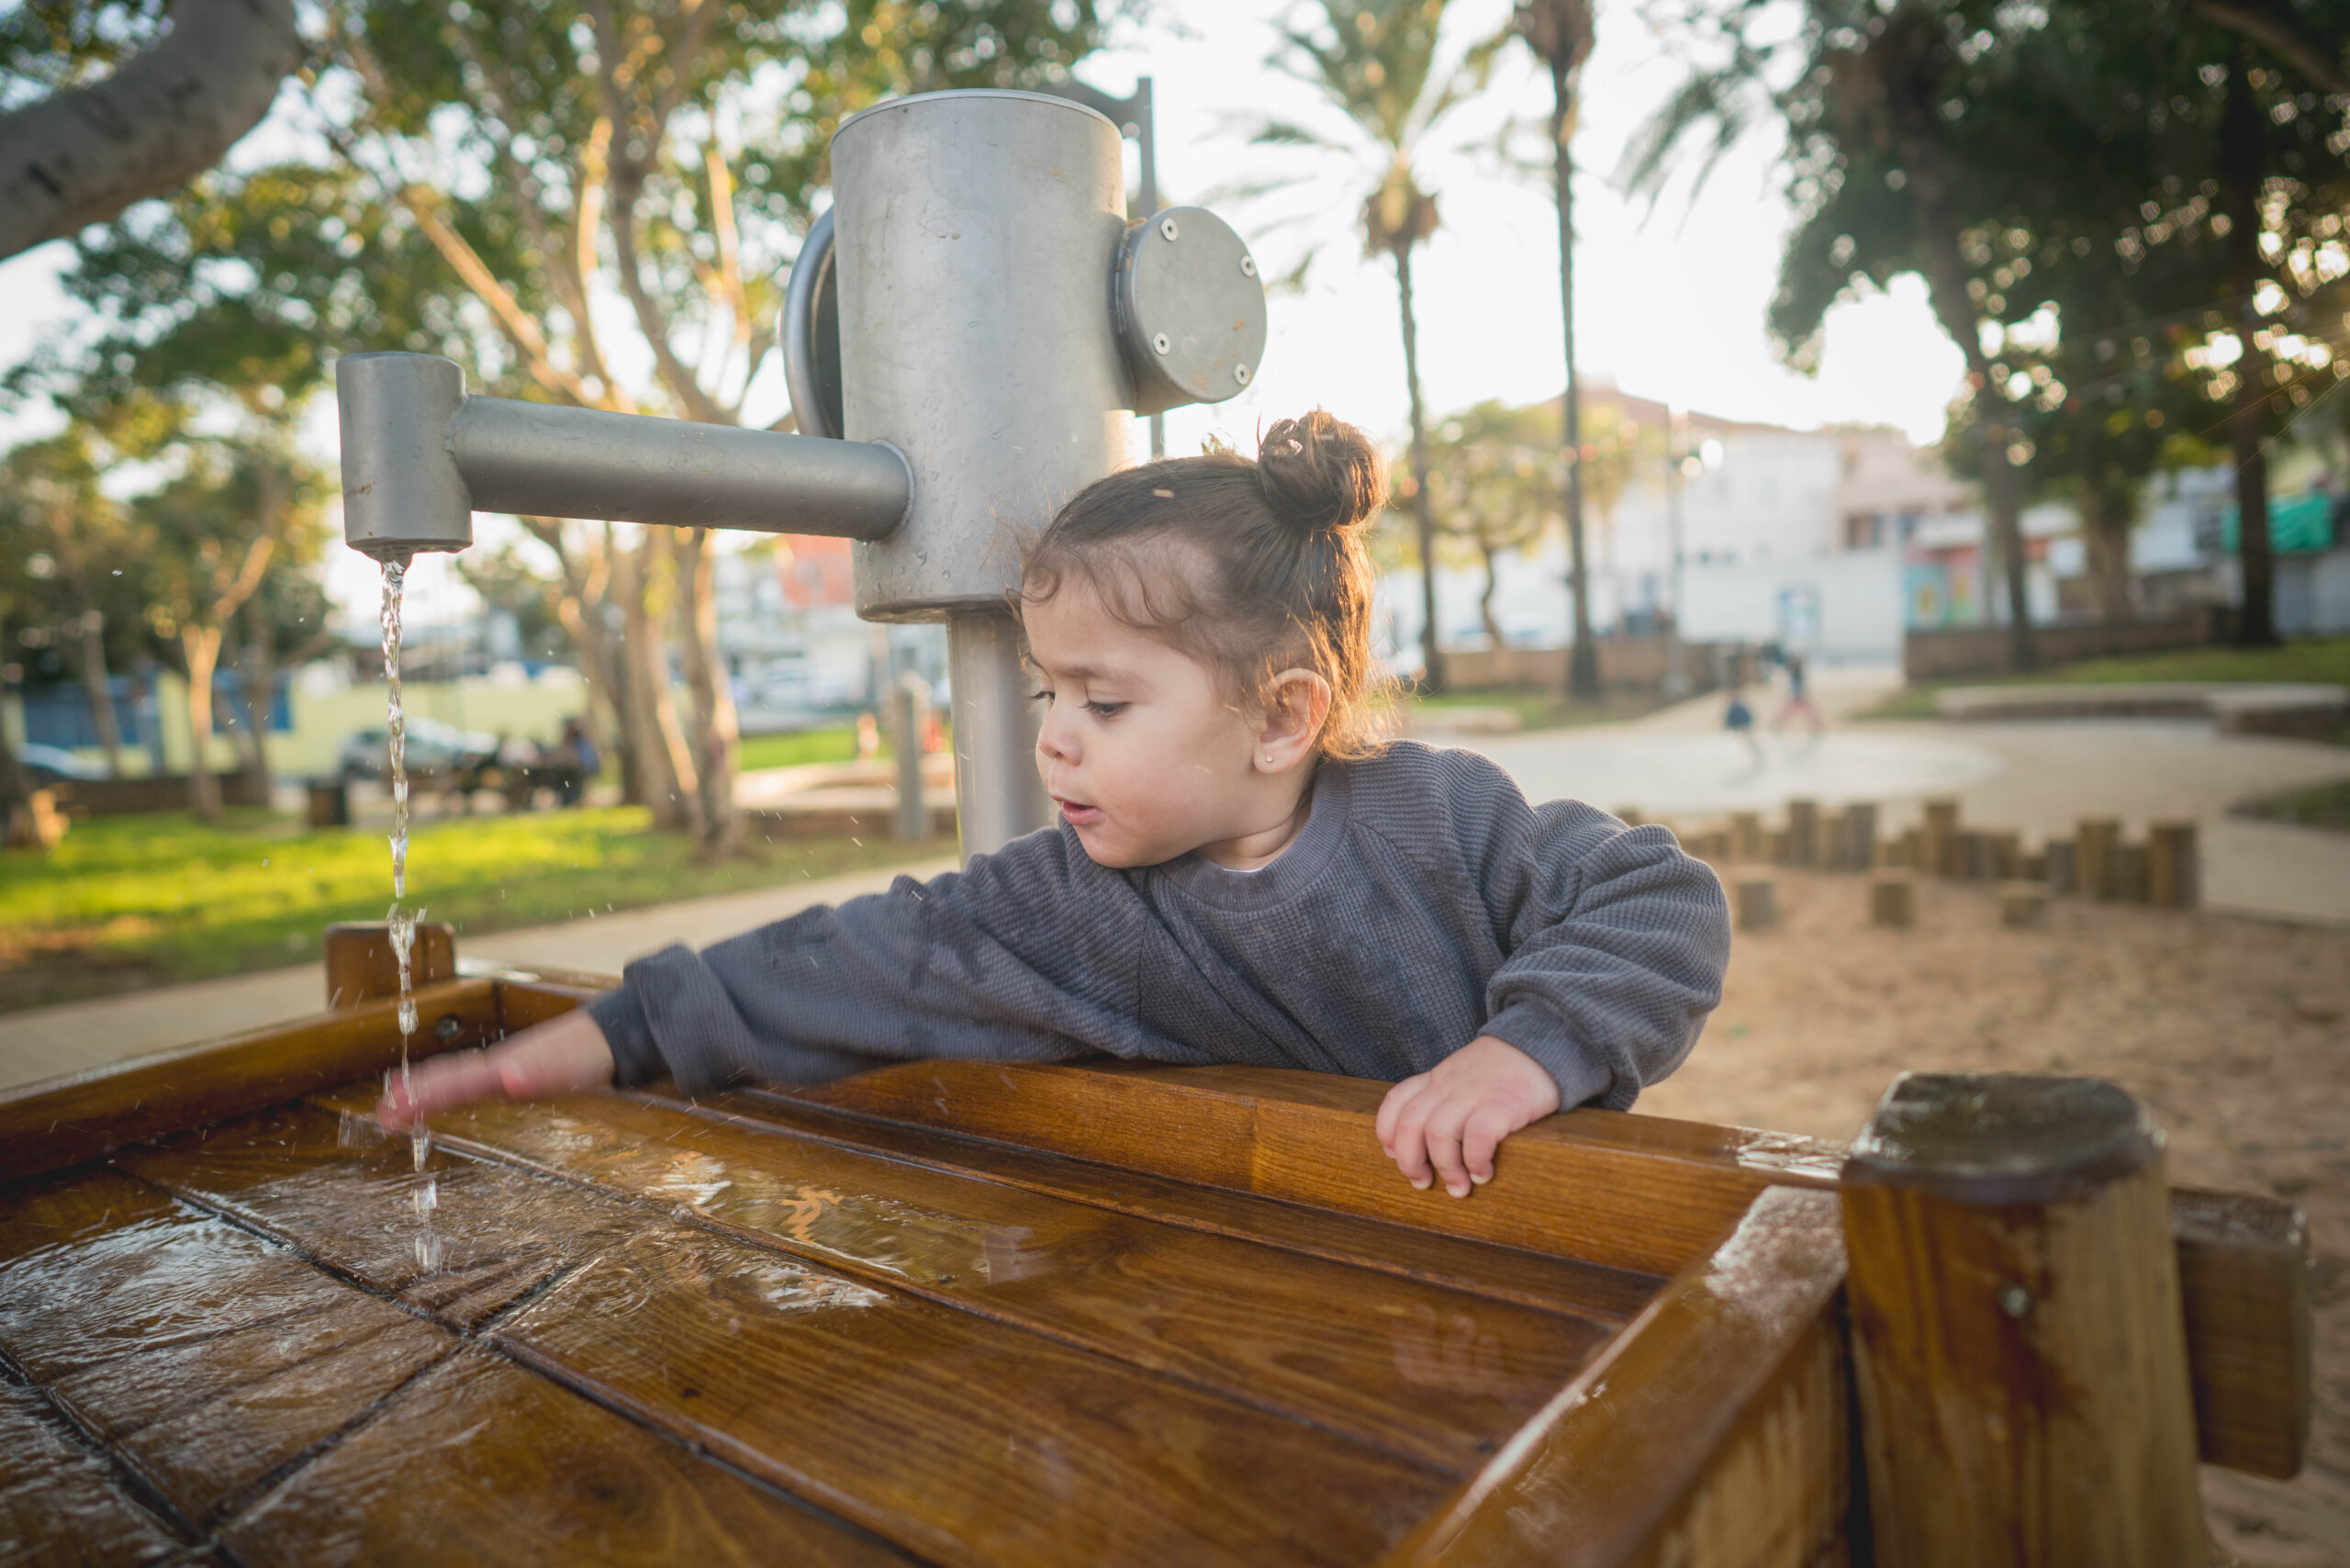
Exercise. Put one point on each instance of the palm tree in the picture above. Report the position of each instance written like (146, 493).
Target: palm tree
(1377, 64)
(1558, 31)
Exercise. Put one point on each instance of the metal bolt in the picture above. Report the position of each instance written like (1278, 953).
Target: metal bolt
(1167, 227)
(1240, 373)
(1248, 267)
(448, 1028)
(2014, 1299)
(1160, 343)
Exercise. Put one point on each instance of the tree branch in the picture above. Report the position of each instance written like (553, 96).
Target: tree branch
(81, 156)
(2277, 35)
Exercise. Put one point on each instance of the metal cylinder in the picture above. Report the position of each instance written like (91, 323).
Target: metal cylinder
(400, 491)
(553, 461)
(974, 238)
(998, 793)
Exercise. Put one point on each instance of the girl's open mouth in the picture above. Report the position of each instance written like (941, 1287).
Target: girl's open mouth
(1078, 814)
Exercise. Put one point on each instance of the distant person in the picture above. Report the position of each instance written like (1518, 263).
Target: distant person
(1235, 845)
(1798, 698)
(1738, 719)
(578, 761)
(869, 737)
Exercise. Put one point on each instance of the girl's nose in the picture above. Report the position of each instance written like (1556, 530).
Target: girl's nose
(1053, 742)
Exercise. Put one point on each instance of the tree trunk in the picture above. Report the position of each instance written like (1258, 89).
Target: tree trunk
(257, 677)
(16, 789)
(716, 737)
(96, 684)
(2240, 178)
(80, 156)
(1913, 57)
(1485, 599)
(1431, 660)
(199, 658)
(2105, 528)
(641, 576)
(1582, 659)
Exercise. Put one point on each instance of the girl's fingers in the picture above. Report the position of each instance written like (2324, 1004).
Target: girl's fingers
(1409, 1149)
(1391, 1109)
(1479, 1137)
(1443, 1133)
(435, 1084)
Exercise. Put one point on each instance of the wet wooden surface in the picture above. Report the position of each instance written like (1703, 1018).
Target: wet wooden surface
(637, 1329)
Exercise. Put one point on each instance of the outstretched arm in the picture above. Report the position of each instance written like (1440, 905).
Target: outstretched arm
(564, 1056)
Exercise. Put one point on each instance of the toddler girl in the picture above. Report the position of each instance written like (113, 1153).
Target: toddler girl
(1242, 872)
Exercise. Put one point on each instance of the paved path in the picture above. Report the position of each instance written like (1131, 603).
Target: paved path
(43, 1042)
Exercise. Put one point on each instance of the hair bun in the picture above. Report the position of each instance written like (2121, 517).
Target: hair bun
(1320, 474)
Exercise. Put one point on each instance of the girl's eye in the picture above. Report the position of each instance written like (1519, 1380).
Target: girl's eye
(1106, 710)
(1045, 696)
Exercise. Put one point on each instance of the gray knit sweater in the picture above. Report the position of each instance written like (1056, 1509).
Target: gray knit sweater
(1424, 903)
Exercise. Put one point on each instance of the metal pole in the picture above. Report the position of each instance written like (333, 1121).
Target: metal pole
(910, 707)
(1676, 439)
(998, 794)
(973, 233)
(1147, 137)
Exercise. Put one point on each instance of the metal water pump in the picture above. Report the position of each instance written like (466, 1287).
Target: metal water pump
(966, 333)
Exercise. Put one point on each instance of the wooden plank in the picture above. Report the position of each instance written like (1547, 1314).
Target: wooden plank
(1778, 1494)
(1605, 1471)
(1626, 1192)
(963, 1440)
(61, 1504)
(482, 1461)
(2243, 1277)
(94, 1265)
(342, 1193)
(1410, 1367)
(1504, 1273)
(62, 1121)
(205, 1422)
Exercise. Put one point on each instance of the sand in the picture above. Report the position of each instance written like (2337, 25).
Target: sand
(2235, 1032)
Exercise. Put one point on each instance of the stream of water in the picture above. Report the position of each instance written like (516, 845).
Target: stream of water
(401, 920)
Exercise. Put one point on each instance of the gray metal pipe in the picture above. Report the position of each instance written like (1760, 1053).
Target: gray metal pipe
(553, 461)
(998, 794)
(419, 457)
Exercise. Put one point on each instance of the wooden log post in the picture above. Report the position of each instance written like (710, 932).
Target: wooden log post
(1969, 855)
(1832, 856)
(361, 966)
(2018, 1338)
(1940, 839)
(2064, 874)
(2174, 871)
(1893, 900)
(1803, 832)
(2093, 856)
(2005, 851)
(1914, 847)
(2128, 873)
(1860, 836)
(1758, 904)
(1746, 834)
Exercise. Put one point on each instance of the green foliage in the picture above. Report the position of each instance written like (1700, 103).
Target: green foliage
(832, 744)
(48, 45)
(166, 899)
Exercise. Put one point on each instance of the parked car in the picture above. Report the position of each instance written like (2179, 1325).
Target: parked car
(48, 765)
(433, 748)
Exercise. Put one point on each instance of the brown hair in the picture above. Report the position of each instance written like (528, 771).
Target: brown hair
(1274, 576)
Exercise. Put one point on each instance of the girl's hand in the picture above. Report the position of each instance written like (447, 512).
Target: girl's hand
(1452, 1118)
(564, 1056)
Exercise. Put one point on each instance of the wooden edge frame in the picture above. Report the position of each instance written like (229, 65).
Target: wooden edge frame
(1301, 1138)
(62, 1121)
(2244, 1283)
(1627, 1191)
(1716, 1422)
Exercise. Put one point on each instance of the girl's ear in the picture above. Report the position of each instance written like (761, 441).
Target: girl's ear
(1296, 703)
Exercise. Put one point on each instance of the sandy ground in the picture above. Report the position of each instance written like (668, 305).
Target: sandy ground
(2235, 1032)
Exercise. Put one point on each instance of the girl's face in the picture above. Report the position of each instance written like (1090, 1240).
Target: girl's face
(1144, 754)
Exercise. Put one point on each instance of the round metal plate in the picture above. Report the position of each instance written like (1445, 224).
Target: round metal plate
(1190, 310)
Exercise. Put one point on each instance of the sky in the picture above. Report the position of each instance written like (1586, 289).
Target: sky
(1670, 303)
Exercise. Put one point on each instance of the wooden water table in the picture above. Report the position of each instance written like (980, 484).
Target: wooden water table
(969, 1314)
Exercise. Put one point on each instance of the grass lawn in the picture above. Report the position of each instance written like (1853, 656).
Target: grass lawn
(837, 743)
(1543, 709)
(130, 902)
(2320, 805)
(2324, 660)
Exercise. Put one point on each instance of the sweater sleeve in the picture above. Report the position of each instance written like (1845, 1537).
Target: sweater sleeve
(1027, 955)
(1615, 941)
